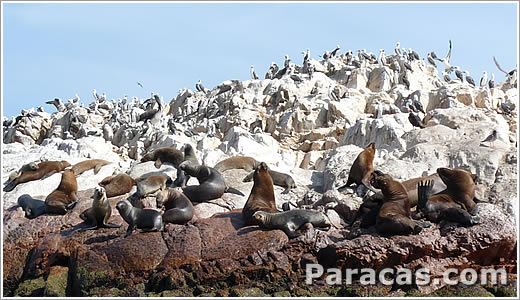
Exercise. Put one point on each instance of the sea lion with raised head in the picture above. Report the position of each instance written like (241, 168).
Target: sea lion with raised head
(64, 198)
(189, 157)
(394, 216)
(27, 167)
(261, 197)
(279, 179)
(146, 219)
(100, 212)
(86, 165)
(163, 155)
(237, 162)
(292, 220)
(32, 207)
(362, 169)
(45, 169)
(455, 203)
(117, 185)
(177, 207)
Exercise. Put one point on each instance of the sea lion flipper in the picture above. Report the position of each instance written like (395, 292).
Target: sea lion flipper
(110, 225)
(424, 190)
(98, 167)
(234, 191)
(10, 186)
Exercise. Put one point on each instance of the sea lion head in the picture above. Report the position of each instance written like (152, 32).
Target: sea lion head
(33, 166)
(99, 193)
(371, 146)
(160, 197)
(122, 206)
(188, 150)
(261, 170)
(260, 217)
(456, 179)
(379, 182)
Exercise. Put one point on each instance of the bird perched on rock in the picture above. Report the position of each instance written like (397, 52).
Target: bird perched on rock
(491, 138)
(415, 120)
(417, 105)
(406, 81)
(491, 82)
(253, 73)
(459, 74)
(200, 87)
(335, 51)
(446, 77)
(469, 79)
(430, 60)
(483, 80)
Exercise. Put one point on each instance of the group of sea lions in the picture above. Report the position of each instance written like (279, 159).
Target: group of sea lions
(447, 195)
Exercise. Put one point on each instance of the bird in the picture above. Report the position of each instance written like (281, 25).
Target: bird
(296, 78)
(253, 73)
(469, 79)
(335, 51)
(381, 59)
(407, 65)
(332, 95)
(434, 56)
(103, 97)
(287, 61)
(398, 49)
(139, 84)
(406, 81)
(459, 74)
(326, 55)
(415, 120)
(307, 55)
(96, 96)
(430, 60)
(510, 75)
(446, 77)
(57, 103)
(413, 54)
(483, 80)
(417, 104)
(446, 61)
(491, 138)
(491, 82)
(199, 86)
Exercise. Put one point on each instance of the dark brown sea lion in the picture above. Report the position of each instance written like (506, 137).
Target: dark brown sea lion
(177, 207)
(262, 195)
(211, 183)
(100, 212)
(32, 207)
(237, 162)
(456, 203)
(394, 216)
(86, 165)
(117, 185)
(280, 179)
(145, 219)
(189, 157)
(292, 220)
(362, 169)
(163, 155)
(65, 196)
(45, 169)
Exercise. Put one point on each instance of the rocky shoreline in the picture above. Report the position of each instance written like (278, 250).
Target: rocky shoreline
(311, 122)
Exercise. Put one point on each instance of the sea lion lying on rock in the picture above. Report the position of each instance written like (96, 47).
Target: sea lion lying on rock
(292, 220)
(117, 185)
(162, 155)
(86, 165)
(280, 179)
(45, 169)
(455, 203)
(32, 207)
(237, 162)
(65, 197)
(27, 167)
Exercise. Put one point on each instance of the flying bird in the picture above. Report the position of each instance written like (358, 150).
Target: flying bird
(446, 61)
(139, 84)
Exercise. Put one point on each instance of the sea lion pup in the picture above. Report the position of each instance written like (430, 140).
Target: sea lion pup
(261, 197)
(237, 162)
(117, 185)
(394, 216)
(64, 198)
(146, 219)
(45, 169)
(86, 165)
(163, 155)
(100, 212)
(177, 207)
(454, 203)
(32, 207)
(27, 167)
(189, 157)
(152, 184)
(211, 183)
(362, 168)
(292, 220)
(280, 179)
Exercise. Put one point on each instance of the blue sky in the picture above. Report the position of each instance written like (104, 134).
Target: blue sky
(56, 50)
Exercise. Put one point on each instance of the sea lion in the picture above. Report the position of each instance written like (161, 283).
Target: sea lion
(394, 216)
(189, 157)
(27, 167)
(237, 162)
(117, 185)
(86, 165)
(177, 207)
(100, 212)
(280, 179)
(456, 203)
(211, 183)
(163, 155)
(261, 197)
(362, 168)
(152, 184)
(411, 188)
(64, 198)
(145, 219)
(45, 169)
(32, 207)
(292, 220)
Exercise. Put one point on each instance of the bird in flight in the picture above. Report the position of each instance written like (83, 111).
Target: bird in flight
(139, 84)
